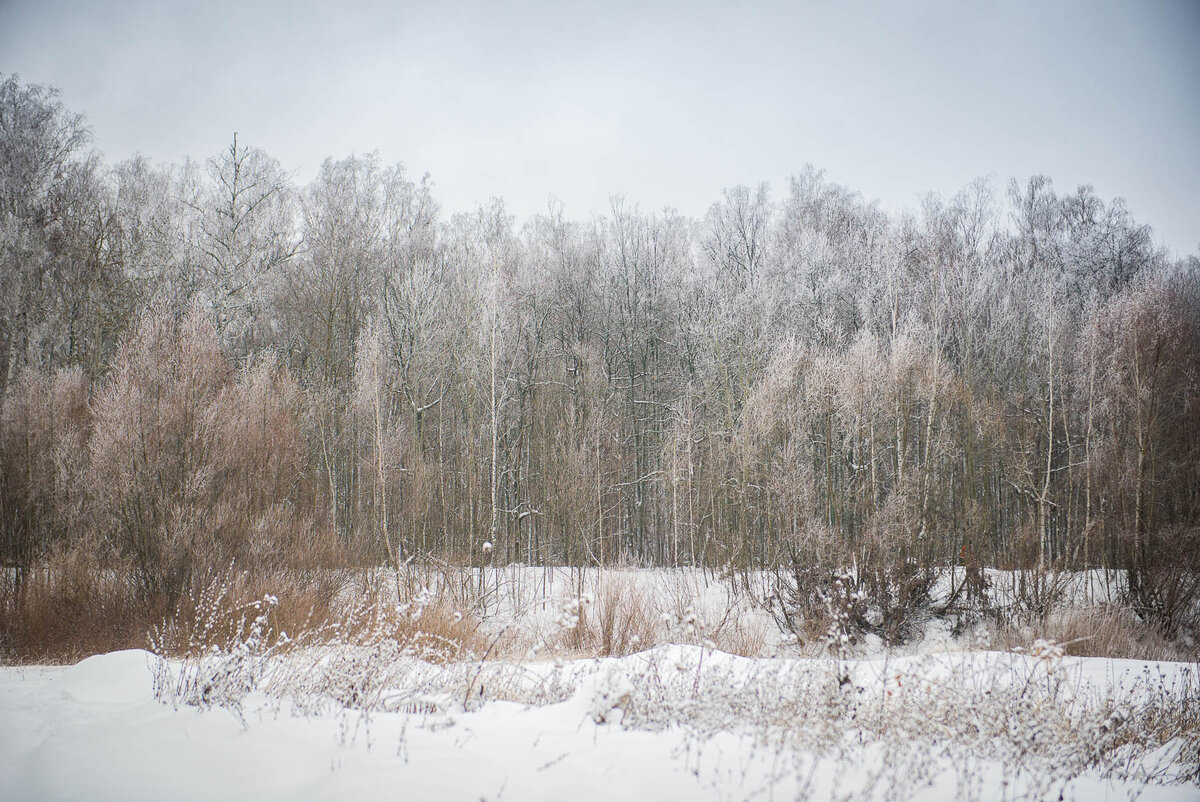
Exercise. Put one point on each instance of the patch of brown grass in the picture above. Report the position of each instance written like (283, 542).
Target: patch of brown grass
(300, 602)
(68, 609)
(431, 627)
(744, 636)
(618, 620)
(314, 607)
(1103, 631)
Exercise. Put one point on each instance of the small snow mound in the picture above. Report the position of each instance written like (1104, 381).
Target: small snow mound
(113, 678)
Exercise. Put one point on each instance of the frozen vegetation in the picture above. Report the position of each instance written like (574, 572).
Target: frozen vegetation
(392, 698)
(328, 493)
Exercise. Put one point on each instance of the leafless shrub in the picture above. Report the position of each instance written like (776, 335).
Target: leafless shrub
(44, 426)
(193, 465)
(889, 598)
(1033, 594)
(1164, 586)
(970, 595)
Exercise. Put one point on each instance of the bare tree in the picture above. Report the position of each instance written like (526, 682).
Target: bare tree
(245, 235)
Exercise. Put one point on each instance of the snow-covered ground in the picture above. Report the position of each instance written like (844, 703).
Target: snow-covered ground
(358, 714)
(673, 722)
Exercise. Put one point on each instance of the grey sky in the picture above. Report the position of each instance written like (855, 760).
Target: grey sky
(667, 103)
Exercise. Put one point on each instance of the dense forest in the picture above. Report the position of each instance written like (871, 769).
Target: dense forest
(207, 362)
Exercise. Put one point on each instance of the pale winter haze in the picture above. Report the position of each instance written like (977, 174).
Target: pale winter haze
(667, 103)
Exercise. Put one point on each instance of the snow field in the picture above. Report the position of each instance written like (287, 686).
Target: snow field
(675, 722)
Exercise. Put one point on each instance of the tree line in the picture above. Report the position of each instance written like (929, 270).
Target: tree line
(207, 361)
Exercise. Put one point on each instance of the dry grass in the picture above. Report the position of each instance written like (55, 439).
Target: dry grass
(616, 620)
(744, 636)
(314, 607)
(740, 628)
(66, 610)
(622, 617)
(430, 626)
(301, 601)
(1103, 631)
(69, 609)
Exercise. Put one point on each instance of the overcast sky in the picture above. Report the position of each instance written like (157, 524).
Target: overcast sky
(667, 103)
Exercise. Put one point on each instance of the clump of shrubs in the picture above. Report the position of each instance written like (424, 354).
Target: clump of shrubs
(120, 502)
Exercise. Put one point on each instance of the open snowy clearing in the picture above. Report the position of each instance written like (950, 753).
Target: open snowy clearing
(675, 722)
